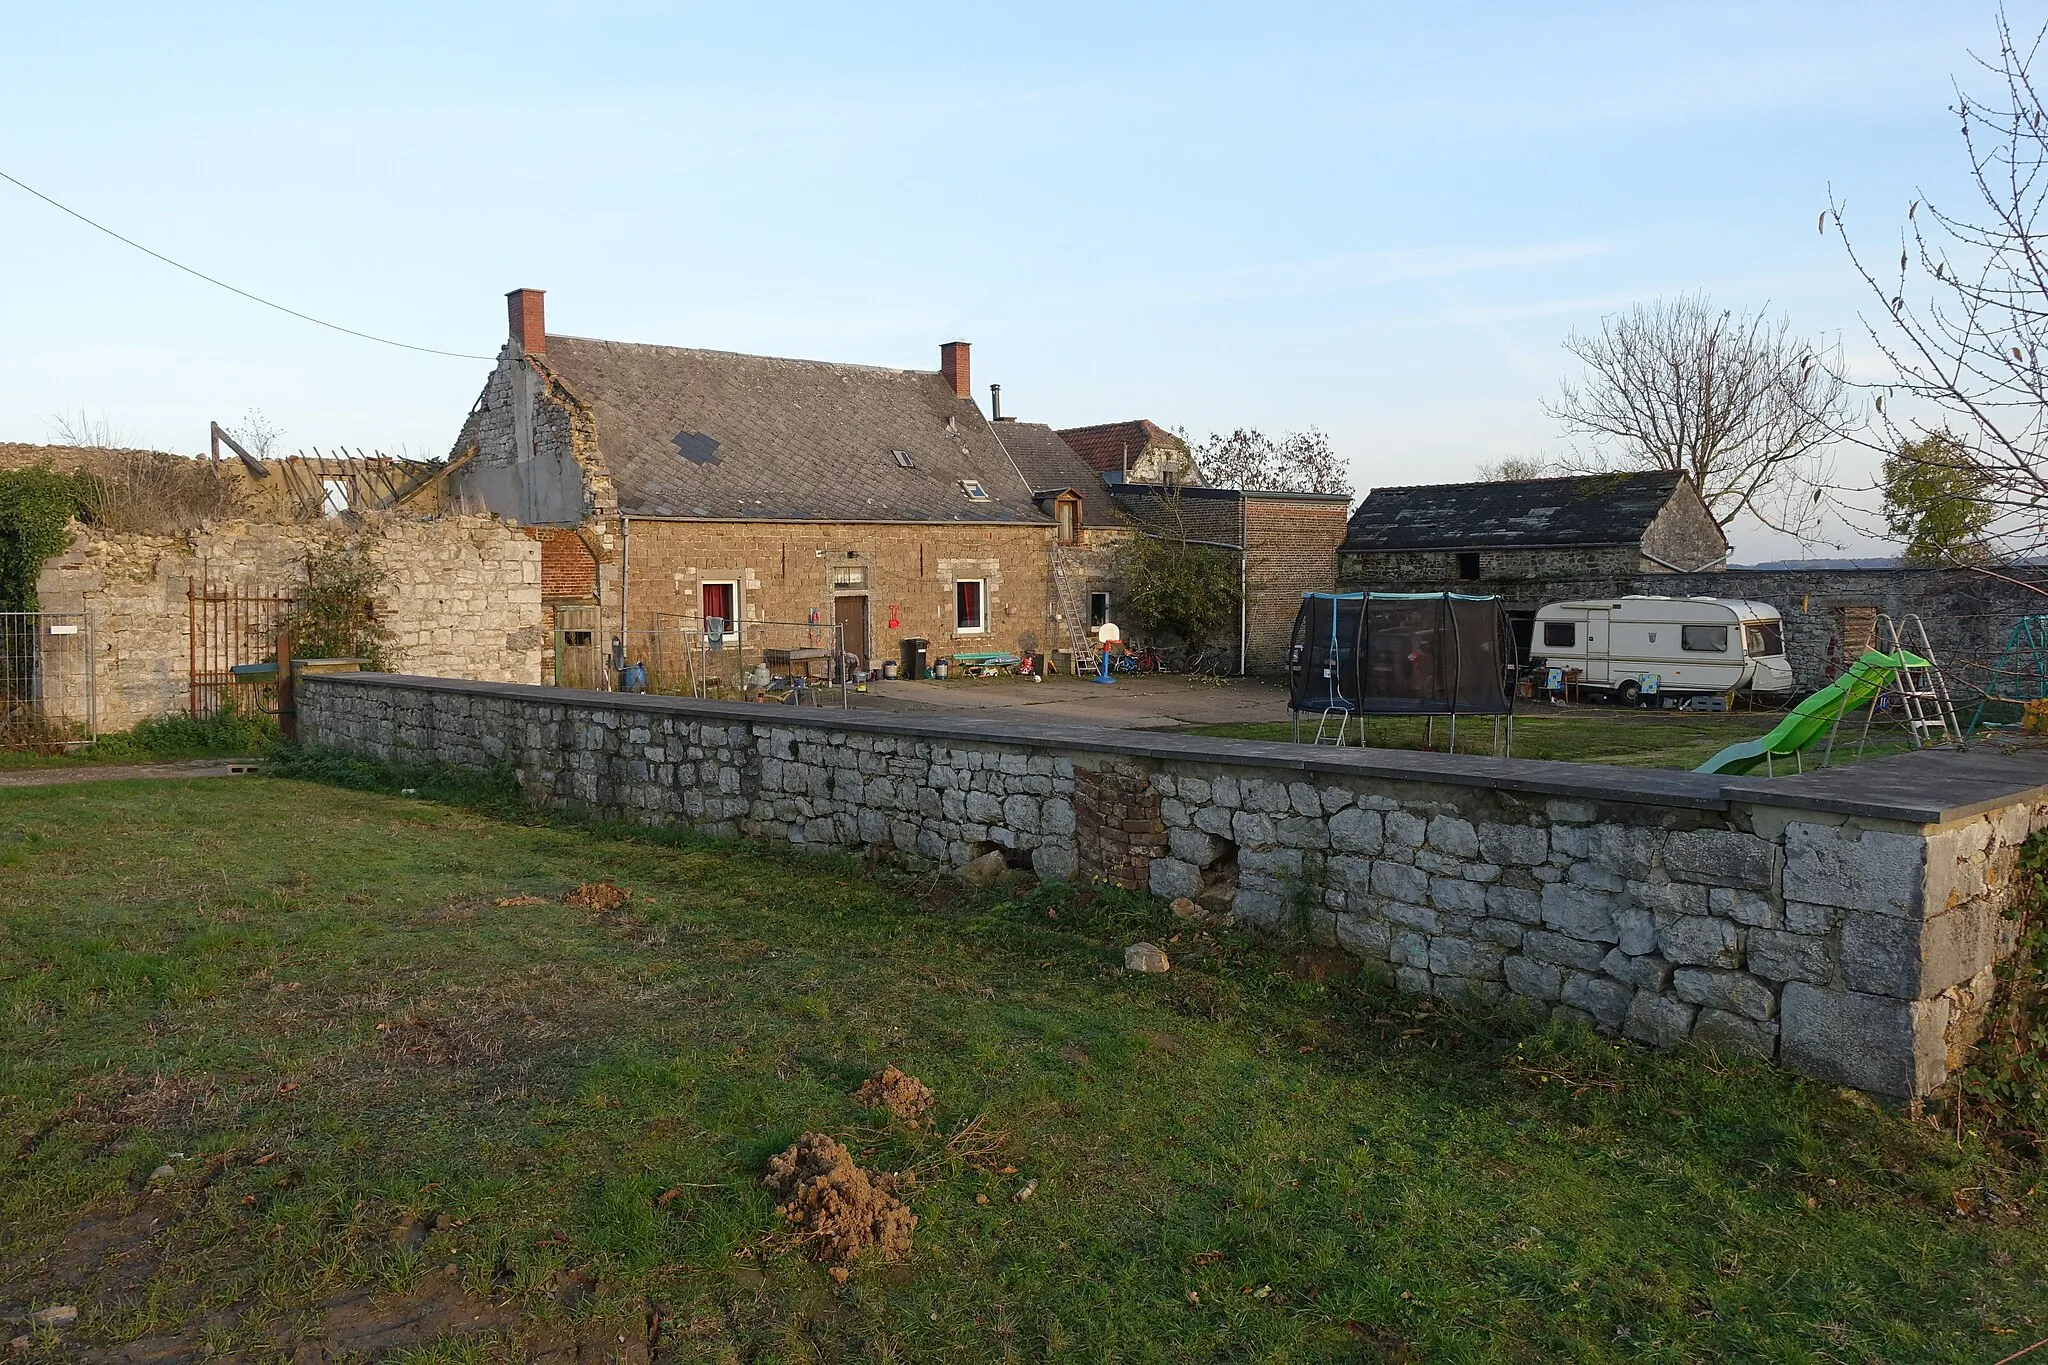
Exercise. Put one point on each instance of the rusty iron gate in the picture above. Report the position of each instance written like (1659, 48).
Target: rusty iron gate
(229, 626)
(46, 680)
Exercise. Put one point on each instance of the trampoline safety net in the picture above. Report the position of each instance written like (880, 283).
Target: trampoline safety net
(1408, 654)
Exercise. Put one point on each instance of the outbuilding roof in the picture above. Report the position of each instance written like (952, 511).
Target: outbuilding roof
(1051, 466)
(1577, 510)
(720, 436)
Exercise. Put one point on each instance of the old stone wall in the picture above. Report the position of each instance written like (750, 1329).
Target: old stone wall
(1845, 923)
(462, 598)
(1828, 613)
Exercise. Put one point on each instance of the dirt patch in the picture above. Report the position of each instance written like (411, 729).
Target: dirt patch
(599, 898)
(840, 1209)
(905, 1097)
(114, 1252)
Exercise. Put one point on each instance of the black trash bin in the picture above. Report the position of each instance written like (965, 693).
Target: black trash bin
(915, 654)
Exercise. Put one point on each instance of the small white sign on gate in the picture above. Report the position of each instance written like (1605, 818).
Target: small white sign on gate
(64, 630)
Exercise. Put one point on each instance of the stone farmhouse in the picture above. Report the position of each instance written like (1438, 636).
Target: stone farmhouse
(1534, 541)
(672, 486)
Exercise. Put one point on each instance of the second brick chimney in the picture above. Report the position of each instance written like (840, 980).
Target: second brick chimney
(528, 315)
(953, 365)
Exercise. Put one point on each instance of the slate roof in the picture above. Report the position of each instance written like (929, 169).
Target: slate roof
(1104, 446)
(1580, 510)
(715, 435)
(1050, 465)
(1212, 516)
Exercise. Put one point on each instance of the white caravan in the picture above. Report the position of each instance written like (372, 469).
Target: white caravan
(1630, 647)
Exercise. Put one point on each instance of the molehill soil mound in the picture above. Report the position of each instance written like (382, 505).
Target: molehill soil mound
(842, 1210)
(906, 1097)
(598, 898)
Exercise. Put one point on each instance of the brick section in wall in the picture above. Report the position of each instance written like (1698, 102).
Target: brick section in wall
(568, 571)
(1117, 829)
(1290, 549)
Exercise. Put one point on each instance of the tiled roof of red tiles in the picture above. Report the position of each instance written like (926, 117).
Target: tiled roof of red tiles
(1107, 446)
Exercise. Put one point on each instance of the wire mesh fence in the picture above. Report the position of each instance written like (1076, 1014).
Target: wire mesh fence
(796, 663)
(46, 680)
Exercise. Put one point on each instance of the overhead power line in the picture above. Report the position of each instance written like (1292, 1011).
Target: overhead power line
(253, 298)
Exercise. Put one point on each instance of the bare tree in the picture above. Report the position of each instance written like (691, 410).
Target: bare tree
(84, 430)
(1514, 469)
(1299, 462)
(1733, 400)
(1964, 323)
(258, 435)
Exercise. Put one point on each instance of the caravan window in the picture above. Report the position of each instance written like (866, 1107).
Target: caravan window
(1704, 639)
(1560, 634)
(1763, 637)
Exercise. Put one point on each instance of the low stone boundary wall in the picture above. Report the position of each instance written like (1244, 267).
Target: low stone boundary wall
(1845, 923)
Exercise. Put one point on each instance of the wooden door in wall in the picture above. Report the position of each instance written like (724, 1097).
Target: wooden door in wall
(851, 615)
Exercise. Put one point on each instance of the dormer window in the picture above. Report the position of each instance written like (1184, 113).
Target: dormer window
(1066, 513)
(974, 491)
(903, 458)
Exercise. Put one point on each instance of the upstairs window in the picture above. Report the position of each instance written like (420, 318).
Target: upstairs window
(1560, 634)
(1704, 639)
(1468, 567)
(970, 606)
(974, 491)
(1067, 514)
(903, 458)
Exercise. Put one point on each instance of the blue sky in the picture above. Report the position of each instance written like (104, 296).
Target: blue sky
(1378, 219)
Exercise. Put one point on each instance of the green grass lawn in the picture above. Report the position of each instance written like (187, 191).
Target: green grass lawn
(225, 734)
(410, 1099)
(1582, 734)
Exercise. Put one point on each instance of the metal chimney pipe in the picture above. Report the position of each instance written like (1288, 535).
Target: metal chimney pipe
(995, 402)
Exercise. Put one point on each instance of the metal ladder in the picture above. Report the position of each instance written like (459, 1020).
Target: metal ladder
(1922, 692)
(1324, 735)
(1073, 609)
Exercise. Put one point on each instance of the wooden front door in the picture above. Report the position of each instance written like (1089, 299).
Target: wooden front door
(851, 615)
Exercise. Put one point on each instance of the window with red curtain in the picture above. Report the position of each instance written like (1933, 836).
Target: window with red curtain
(722, 601)
(970, 605)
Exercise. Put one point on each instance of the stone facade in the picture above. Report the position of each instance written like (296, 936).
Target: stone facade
(900, 579)
(1845, 923)
(462, 598)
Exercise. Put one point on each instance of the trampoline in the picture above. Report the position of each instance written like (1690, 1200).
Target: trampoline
(1400, 654)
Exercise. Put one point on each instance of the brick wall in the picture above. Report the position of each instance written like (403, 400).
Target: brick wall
(1290, 548)
(1846, 923)
(568, 570)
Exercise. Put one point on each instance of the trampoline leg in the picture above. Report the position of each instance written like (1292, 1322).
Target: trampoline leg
(1454, 732)
(1297, 727)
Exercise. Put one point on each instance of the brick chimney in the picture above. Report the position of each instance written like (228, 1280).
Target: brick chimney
(528, 315)
(953, 365)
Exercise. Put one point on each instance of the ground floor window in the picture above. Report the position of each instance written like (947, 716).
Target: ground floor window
(1098, 609)
(970, 606)
(720, 601)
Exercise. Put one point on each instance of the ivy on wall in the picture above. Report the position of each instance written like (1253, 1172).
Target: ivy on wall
(36, 508)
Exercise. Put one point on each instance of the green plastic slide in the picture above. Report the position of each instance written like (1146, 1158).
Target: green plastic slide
(1811, 720)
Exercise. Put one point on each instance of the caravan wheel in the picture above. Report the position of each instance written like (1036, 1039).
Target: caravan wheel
(1629, 693)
